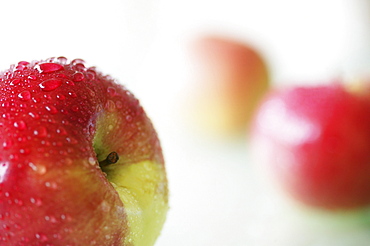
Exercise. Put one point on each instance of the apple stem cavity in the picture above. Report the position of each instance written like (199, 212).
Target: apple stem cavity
(111, 159)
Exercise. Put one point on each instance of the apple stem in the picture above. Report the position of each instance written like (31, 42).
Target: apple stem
(111, 159)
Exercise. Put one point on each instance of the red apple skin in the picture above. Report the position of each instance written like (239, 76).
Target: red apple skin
(231, 77)
(315, 141)
(52, 191)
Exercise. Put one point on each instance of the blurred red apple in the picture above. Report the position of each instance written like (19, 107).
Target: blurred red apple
(316, 142)
(230, 77)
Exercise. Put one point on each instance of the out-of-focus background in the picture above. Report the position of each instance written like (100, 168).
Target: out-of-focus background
(216, 196)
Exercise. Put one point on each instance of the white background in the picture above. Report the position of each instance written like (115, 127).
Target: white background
(217, 198)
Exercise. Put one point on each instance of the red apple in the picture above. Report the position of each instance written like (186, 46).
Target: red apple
(230, 78)
(80, 163)
(316, 142)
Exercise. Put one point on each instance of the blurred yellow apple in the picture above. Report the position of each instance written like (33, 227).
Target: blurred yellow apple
(230, 79)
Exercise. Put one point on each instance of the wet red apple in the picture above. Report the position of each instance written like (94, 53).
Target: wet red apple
(80, 161)
(315, 143)
(230, 78)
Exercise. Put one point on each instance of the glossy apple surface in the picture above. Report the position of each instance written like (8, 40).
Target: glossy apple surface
(230, 78)
(80, 162)
(315, 141)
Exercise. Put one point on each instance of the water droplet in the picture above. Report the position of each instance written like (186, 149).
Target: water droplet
(5, 104)
(79, 67)
(111, 91)
(71, 140)
(36, 100)
(68, 161)
(91, 74)
(75, 108)
(70, 82)
(128, 118)
(77, 61)
(110, 106)
(34, 115)
(50, 84)
(32, 77)
(91, 92)
(61, 75)
(40, 132)
(119, 104)
(60, 97)
(36, 201)
(20, 124)
(72, 94)
(51, 109)
(78, 77)
(25, 95)
(62, 59)
(41, 237)
(105, 206)
(92, 161)
(7, 144)
(13, 157)
(6, 116)
(23, 63)
(40, 169)
(20, 68)
(15, 81)
(61, 131)
(48, 67)
(24, 151)
(47, 96)
(51, 185)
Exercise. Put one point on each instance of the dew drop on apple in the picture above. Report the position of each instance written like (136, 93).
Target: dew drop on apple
(72, 94)
(36, 201)
(75, 108)
(91, 161)
(148, 166)
(48, 67)
(5, 104)
(128, 118)
(68, 82)
(61, 131)
(111, 91)
(32, 77)
(34, 115)
(110, 106)
(78, 77)
(119, 104)
(51, 185)
(68, 161)
(41, 237)
(51, 109)
(57, 236)
(91, 74)
(5, 116)
(41, 132)
(60, 97)
(40, 169)
(71, 140)
(25, 95)
(50, 84)
(7, 144)
(20, 125)
(15, 81)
